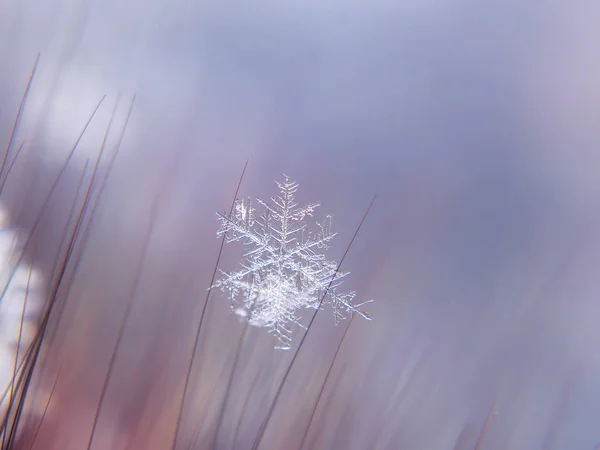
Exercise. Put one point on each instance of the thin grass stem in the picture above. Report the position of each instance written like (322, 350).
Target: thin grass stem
(273, 403)
(125, 319)
(201, 321)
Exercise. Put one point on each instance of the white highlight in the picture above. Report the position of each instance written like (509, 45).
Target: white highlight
(21, 306)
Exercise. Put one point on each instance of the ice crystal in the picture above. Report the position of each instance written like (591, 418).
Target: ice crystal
(283, 268)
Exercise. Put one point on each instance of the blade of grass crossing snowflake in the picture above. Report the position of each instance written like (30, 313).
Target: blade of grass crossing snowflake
(322, 390)
(198, 330)
(125, 319)
(200, 322)
(273, 403)
(15, 126)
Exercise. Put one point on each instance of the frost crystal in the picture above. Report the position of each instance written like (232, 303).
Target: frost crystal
(283, 268)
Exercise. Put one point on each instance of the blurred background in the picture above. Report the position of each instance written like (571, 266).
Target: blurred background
(475, 123)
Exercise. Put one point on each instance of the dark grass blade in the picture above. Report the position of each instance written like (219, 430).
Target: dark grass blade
(34, 350)
(125, 319)
(33, 354)
(322, 390)
(58, 309)
(10, 167)
(75, 215)
(18, 379)
(15, 126)
(273, 403)
(201, 321)
(85, 233)
(8, 387)
(39, 426)
(87, 196)
(88, 227)
(16, 363)
(30, 364)
(51, 191)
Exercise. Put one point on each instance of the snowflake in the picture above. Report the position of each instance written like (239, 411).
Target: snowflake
(283, 268)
